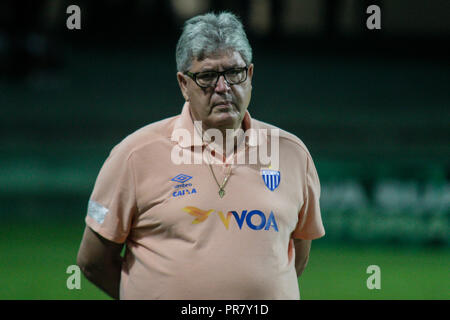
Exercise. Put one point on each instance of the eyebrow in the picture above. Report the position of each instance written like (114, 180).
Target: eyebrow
(235, 66)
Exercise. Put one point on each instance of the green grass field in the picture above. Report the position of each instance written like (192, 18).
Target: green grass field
(35, 256)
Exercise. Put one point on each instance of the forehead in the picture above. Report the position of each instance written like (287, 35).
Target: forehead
(220, 61)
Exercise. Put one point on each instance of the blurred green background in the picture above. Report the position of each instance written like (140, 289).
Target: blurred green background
(373, 107)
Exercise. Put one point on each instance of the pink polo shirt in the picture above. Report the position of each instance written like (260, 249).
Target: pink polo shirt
(183, 241)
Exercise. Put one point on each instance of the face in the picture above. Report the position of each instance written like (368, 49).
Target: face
(223, 106)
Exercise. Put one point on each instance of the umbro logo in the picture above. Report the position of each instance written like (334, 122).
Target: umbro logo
(183, 188)
(181, 178)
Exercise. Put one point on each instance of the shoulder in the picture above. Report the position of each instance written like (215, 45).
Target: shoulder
(150, 134)
(287, 140)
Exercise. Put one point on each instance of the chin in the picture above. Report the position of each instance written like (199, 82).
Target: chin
(224, 120)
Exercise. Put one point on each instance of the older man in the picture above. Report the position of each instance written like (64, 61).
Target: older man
(204, 229)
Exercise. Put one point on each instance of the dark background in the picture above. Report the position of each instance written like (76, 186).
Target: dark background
(372, 106)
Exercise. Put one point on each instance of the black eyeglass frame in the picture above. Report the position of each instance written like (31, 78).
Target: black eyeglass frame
(193, 76)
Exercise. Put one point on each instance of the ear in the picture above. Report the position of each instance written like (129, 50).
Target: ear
(183, 85)
(250, 72)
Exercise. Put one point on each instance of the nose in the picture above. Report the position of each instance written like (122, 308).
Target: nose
(222, 85)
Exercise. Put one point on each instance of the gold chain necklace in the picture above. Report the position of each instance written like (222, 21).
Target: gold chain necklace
(224, 182)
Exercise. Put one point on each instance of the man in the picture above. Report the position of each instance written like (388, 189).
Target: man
(204, 229)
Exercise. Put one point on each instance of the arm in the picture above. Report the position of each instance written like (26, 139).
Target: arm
(302, 248)
(101, 262)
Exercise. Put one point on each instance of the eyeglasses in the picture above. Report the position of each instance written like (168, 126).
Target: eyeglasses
(208, 79)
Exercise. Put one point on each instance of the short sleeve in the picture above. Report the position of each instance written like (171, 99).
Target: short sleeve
(310, 224)
(112, 204)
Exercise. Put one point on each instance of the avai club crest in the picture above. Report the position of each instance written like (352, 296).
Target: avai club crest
(271, 178)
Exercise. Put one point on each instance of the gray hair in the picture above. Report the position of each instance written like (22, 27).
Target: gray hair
(206, 34)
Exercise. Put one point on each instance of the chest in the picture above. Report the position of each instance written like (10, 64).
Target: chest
(255, 199)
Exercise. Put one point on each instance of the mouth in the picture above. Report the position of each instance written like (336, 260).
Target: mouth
(222, 105)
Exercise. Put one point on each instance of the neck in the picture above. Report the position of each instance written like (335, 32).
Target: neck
(229, 140)
(225, 141)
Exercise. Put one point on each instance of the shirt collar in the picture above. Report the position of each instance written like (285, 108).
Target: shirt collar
(184, 126)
